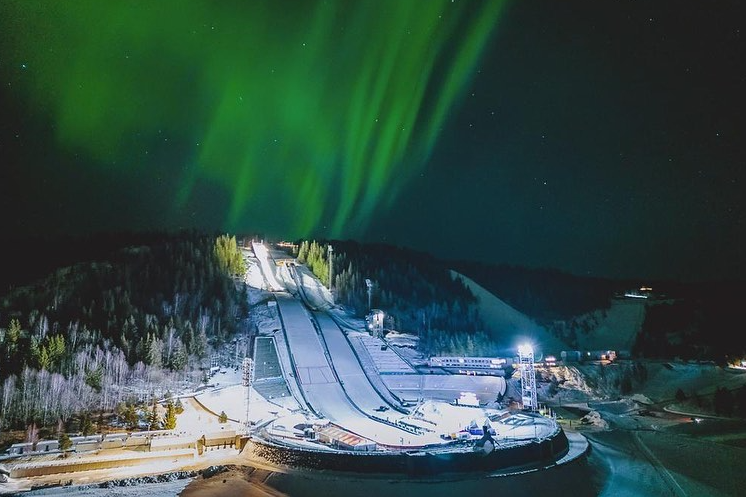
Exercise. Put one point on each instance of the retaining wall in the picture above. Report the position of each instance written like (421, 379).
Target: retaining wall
(421, 462)
(69, 466)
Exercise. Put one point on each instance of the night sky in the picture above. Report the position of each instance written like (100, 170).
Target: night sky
(597, 137)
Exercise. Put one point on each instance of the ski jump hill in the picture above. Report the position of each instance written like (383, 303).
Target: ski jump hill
(508, 325)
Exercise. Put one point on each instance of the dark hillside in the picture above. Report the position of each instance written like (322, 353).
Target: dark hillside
(415, 290)
(148, 313)
(543, 294)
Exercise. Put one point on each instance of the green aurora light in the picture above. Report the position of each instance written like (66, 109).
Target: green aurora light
(322, 110)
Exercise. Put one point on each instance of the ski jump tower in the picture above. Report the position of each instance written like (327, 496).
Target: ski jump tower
(528, 377)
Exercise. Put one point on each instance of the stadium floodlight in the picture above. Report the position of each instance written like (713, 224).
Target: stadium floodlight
(525, 349)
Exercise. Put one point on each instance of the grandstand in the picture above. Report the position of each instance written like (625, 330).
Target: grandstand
(495, 366)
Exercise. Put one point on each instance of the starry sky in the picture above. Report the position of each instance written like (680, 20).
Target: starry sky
(597, 137)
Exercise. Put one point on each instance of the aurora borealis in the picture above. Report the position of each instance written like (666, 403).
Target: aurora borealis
(595, 137)
(321, 106)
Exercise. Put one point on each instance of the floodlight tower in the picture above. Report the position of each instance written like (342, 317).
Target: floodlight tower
(528, 377)
(248, 379)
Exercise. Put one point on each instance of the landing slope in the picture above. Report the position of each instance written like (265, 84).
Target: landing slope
(615, 328)
(508, 325)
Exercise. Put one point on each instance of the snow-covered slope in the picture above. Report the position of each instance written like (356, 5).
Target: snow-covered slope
(509, 325)
(664, 378)
(615, 329)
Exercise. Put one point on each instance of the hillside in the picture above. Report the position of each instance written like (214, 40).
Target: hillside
(614, 329)
(507, 325)
(98, 334)
(546, 295)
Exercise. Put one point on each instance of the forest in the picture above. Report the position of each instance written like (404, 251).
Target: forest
(415, 290)
(106, 335)
(696, 321)
(545, 295)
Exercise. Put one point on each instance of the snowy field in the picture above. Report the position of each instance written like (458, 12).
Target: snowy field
(330, 377)
(664, 378)
(313, 372)
(631, 455)
(614, 329)
(447, 388)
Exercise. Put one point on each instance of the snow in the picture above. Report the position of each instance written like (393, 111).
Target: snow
(449, 418)
(386, 361)
(254, 277)
(509, 324)
(320, 366)
(321, 363)
(402, 339)
(664, 378)
(593, 418)
(316, 294)
(446, 388)
(613, 329)
(267, 266)
(324, 369)
(348, 368)
(318, 381)
(640, 398)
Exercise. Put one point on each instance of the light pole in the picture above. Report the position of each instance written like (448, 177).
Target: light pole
(248, 379)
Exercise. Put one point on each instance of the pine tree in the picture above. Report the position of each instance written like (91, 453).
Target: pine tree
(12, 335)
(680, 395)
(86, 425)
(199, 347)
(130, 416)
(65, 444)
(100, 424)
(154, 351)
(229, 256)
(153, 418)
(169, 421)
(179, 407)
(178, 357)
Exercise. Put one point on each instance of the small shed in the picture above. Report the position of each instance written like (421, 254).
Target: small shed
(344, 439)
